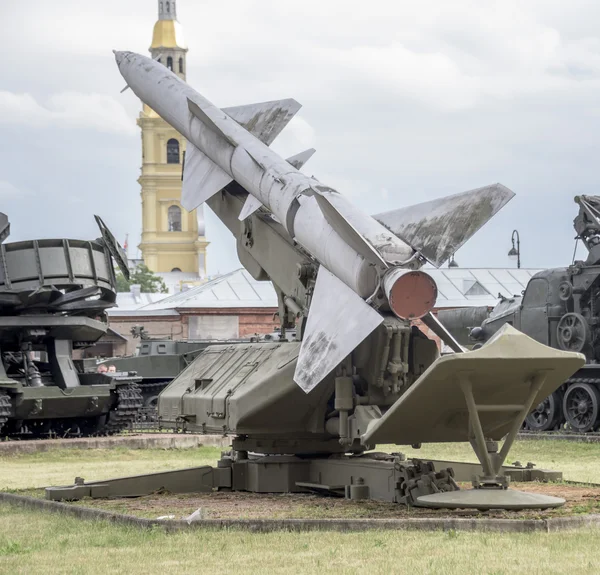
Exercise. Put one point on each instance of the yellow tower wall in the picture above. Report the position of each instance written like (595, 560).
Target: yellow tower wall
(164, 250)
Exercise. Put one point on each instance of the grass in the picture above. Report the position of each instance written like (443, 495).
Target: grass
(578, 461)
(31, 542)
(30, 539)
(61, 466)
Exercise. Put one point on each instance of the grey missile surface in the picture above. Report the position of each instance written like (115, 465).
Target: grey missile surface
(305, 415)
(364, 262)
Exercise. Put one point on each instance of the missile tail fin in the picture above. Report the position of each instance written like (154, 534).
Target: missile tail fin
(347, 231)
(264, 120)
(440, 227)
(300, 159)
(249, 207)
(208, 121)
(337, 322)
(202, 178)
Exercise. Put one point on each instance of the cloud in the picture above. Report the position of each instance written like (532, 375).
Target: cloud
(67, 109)
(10, 191)
(421, 101)
(297, 136)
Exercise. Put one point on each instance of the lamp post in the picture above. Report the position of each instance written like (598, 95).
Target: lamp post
(515, 254)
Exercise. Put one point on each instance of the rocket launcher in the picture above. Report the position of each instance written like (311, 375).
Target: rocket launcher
(359, 373)
(367, 264)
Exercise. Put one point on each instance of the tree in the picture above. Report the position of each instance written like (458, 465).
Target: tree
(143, 277)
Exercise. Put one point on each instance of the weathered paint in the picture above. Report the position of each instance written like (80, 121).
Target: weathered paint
(440, 227)
(327, 340)
(285, 191)
(354, 248)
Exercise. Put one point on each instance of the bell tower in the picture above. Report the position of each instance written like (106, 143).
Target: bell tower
(173, 239)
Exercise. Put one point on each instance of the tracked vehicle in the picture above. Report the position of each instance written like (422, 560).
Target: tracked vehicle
(560, 308)
(53, 297)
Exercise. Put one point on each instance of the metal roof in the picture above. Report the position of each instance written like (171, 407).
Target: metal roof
(237, 289)
(457, 287)
(130, 300)
(470, 287)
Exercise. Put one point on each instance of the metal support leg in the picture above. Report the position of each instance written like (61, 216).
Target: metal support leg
(475, 423)
(536, 384)
(490, 459)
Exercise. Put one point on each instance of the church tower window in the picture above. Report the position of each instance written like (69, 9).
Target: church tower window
(170, 63)
(174, 213)
(181, 65)
(172, 151)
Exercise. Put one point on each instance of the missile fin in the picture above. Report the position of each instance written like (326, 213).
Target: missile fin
(347, 231)
(438, 228)
(265, 120)
(338, 321)
(209, 122)
(300, 159)
(202, 178)
(249, 207)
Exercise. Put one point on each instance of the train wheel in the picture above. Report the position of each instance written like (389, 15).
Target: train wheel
(582, 406)
(547, 415)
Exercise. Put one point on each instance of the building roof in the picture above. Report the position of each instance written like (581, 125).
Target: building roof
(457, 287)
(168, 34)
(133, 300)
(237, 289)
(471, 287)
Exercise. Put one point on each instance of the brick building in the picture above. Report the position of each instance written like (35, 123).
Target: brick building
(235, 305)
(230, 306)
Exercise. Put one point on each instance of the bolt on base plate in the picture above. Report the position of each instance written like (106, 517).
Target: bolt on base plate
(488, 499)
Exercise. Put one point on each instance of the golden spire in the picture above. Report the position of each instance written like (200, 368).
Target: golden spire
(168, 32)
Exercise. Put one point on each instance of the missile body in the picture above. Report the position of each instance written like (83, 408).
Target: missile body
(369, 265)
(352, 245)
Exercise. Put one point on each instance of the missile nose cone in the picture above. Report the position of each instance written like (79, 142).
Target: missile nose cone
(119, 56)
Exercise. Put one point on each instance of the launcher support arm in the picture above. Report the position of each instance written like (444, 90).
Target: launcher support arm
(267, 252)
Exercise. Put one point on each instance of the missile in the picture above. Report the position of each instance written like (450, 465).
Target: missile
(369, 265)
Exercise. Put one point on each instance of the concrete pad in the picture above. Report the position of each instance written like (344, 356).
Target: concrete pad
(487, 499)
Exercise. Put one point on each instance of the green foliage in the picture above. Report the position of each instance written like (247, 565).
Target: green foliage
(144, 277)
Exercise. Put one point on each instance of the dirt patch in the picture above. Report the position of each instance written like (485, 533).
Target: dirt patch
(226, 505)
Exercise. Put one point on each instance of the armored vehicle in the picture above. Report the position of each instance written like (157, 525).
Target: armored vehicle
(53, 297)
(560, 308)
(159, 360)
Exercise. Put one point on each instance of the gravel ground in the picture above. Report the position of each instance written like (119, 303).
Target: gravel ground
(227, 505)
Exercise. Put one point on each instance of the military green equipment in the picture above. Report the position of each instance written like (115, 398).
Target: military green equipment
(158, 361)
(560, 308)
(53, 295)
(284, 440)
(303, 415)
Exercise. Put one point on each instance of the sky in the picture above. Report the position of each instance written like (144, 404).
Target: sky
(404, 101)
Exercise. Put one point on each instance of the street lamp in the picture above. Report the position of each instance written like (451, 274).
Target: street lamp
(515, 254)
(452, 263)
